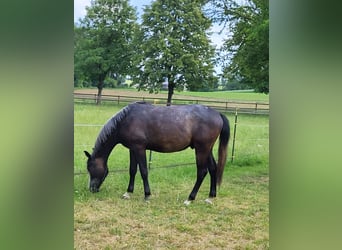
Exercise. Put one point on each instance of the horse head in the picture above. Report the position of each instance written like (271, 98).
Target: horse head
(97, 170)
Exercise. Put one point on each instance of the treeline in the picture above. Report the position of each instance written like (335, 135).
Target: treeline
(170, 48)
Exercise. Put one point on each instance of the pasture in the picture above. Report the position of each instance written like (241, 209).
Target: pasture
(238, 219)
(215, 95)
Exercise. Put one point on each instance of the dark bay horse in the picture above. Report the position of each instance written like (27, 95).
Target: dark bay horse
(141, 126)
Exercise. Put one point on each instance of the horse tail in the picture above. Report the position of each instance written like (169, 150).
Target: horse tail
(223, 147)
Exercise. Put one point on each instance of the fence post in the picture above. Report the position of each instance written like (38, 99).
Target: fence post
(234, 136)
(150, 160)
(118, 99)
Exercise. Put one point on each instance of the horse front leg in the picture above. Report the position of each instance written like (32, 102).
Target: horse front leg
(132, 173)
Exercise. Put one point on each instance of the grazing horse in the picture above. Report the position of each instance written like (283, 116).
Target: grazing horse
(141, 126)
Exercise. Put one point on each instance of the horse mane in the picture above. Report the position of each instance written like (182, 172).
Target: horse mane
(111, 126)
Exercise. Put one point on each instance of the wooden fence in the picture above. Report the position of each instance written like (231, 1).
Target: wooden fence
(250, 107)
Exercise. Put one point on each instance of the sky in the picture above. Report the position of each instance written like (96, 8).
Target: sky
(79, 7)
(80, 12)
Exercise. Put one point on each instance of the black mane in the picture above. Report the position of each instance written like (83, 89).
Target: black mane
(110, 126)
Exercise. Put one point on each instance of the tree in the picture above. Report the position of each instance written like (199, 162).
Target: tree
(79, 77)
(247, 48)
(174, 46)
(105, 41)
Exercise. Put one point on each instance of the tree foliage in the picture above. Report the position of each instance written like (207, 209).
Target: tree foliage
(174, 45)
(103, 41)
(246, 49)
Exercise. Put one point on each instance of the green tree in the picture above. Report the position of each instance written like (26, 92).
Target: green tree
(103, 41)
(247, 48)
(174, 46)
(79, 77)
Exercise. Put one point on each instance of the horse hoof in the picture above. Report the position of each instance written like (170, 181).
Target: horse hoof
(208, 201)
(187, 203)
(126, 196)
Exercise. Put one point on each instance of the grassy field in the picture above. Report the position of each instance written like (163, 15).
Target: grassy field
(238, 219)
(221, 95)
(228, 95)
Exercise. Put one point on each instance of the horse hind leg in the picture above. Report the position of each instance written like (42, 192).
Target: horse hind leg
(213, 179)
(203, 165)
(202, 171)
(212, 172)
(141, 159)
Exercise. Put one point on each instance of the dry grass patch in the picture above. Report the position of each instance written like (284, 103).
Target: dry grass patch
(238, 220)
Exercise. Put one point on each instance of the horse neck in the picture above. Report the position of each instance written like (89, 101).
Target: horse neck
(107, 138)
(103, 150)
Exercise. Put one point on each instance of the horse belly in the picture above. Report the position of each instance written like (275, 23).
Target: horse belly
(168, 145)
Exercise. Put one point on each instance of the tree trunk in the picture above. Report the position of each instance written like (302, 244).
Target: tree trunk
(99, 92)
(171, 87)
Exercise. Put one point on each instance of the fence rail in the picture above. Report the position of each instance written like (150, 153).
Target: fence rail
(250, 107)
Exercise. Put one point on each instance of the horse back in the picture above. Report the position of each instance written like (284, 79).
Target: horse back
(170, 128)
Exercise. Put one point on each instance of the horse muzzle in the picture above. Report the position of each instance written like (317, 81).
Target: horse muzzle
(94, 189)
(94, 186)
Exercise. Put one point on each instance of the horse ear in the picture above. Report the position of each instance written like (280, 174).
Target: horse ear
(87, 154)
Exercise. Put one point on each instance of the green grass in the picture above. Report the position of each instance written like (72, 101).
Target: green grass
(238, 219)
(228, 95)
(222, 95)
